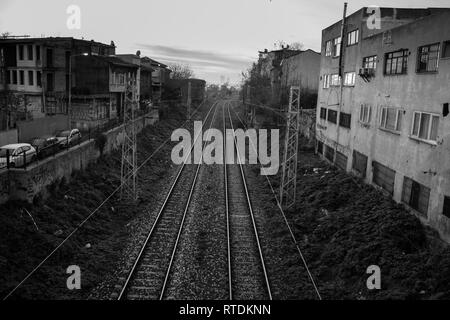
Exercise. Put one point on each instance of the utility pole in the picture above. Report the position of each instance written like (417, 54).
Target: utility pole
(189, 101)
(341, 74)
(288, 185)
(129, 146)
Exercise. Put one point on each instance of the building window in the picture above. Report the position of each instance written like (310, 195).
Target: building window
(39, 79)
(326, 81)
(446, 49)
(345, 120)
(365, 113)
(336, 47)
(425, 126)
(396, 62)
(390, 118)
(38, 53)
(428, 58)
(329, 153)
(332, 116)
(50, 58)
(30, 51)
(341, 161)
(335, 80)
(353, 37)
(383, 177)
(349, 79)
(14, 76)
(20, 52)
(359, 163)
(31, 78)
(328, 47)
(415, 195)
(21, 77)
(370, 62)
(446, 209)
(323, 113)
(50, 82)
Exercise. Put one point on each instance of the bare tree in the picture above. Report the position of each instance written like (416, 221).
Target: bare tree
(296, 46)
(280, 44)
(181, 71)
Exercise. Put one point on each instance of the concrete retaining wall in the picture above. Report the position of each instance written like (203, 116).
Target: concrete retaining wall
(26, 184)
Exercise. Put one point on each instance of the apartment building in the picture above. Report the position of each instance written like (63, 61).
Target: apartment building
(302, 70)
(35, 77)
(389, 121)
(160, 75)
(146, 81)
(177, 89)
(269, 65)
(99, 89)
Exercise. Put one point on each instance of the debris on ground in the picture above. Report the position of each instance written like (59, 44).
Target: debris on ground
(351, 226)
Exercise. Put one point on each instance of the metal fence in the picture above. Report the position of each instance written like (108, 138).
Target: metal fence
(24, 159)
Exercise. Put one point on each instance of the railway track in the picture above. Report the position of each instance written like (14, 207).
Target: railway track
(150, 273)
(247, 274)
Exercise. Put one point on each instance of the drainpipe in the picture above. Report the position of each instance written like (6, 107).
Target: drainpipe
(341, 75)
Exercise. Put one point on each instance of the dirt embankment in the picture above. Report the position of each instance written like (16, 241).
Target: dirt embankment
(344, 226)
(96, 246)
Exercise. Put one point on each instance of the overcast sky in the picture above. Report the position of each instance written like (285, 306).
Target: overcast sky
(219, 39)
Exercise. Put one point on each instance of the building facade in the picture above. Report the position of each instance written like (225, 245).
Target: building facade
(99, 89)
(269, 66)
(301, 70)
(177, 89)
(160, 75)
(388, 123)
(35, 75)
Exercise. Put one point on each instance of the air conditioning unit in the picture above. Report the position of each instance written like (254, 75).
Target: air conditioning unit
(366, 73)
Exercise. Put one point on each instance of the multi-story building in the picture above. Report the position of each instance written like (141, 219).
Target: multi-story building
(386, 118)
(302, 70)
(99, 89)
(160, 75)
(269, 65)
(177, 89)
(146, 81)
(35, 76)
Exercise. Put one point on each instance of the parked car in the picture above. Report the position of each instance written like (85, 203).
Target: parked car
(70, 137)
(45, 146)
(19, 154)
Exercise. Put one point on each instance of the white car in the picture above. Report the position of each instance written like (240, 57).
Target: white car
(70, 137)
(19, 155)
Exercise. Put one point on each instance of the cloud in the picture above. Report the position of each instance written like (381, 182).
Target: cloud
(202, 62)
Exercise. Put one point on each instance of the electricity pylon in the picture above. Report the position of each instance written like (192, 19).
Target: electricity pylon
(129, 146)
(289, 178)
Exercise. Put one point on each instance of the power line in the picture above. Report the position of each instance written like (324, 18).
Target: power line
(91, 214)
